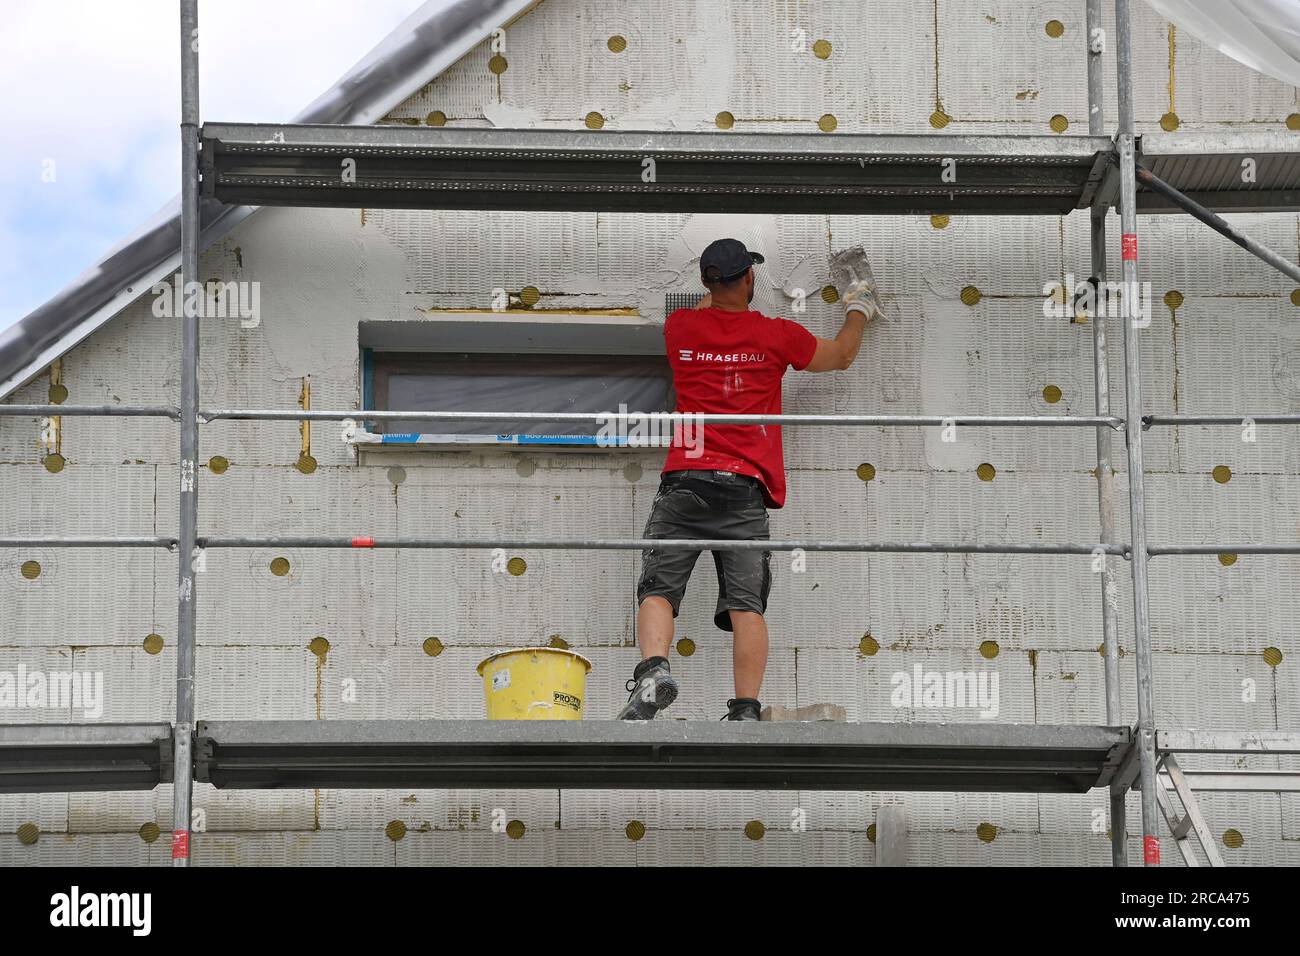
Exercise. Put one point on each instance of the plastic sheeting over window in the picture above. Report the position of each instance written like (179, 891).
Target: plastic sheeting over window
(1262, 34)
(513, 383)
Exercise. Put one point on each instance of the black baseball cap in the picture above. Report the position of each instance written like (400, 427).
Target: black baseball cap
(725, 259)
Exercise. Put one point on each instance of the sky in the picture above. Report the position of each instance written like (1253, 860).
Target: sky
(90, 107)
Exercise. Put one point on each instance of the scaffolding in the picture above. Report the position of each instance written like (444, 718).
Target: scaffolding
(403, 167)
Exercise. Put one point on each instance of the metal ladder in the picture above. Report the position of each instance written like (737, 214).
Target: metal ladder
(1173, 781)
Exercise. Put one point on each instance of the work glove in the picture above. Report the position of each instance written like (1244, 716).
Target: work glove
(851, 273)
(860, 296)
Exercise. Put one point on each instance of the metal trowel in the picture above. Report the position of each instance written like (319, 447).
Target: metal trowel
(849, 266)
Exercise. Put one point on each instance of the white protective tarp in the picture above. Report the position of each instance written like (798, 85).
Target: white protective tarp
(1263, 34)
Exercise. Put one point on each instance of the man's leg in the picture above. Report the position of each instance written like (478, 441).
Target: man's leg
(663, 582)
(748, 652)
(654, 627)
(744, 582)
(652, 687)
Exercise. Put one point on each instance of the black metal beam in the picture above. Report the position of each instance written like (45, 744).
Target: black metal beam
(1227, 172)
(65, 758)
(455, 754)
(609, 171)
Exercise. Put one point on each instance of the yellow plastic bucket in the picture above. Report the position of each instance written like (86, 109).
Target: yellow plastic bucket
(535, 683)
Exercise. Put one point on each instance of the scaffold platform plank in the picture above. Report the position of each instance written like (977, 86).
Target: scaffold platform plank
(1226, 172)
(64, 758)
(663, 754)
(648, 171)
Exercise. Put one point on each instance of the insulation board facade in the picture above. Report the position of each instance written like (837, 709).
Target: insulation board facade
(386, 634)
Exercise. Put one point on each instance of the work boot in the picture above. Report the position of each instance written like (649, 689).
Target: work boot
(743, 708)
(652, 689)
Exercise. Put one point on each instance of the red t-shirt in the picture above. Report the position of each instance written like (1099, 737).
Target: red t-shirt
(732, 363)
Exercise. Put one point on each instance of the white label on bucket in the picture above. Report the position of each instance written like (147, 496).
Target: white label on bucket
(501, 679)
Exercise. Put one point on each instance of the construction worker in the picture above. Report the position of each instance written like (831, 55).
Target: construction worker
(726, 359)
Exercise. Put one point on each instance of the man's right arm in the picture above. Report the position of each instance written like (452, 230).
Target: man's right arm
(837, 354)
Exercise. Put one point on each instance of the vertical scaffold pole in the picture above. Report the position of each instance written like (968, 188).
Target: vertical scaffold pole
(185, 628)
(1125, 143)
(1096, 40)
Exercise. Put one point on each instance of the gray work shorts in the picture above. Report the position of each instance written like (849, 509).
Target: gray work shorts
(715, 505)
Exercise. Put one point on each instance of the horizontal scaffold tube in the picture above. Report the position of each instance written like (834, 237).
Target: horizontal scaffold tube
(1281, 419)
(50, 541)
(1228, 548)
(108, 411)
(270, 414)
(659, 544)
(637, 544)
